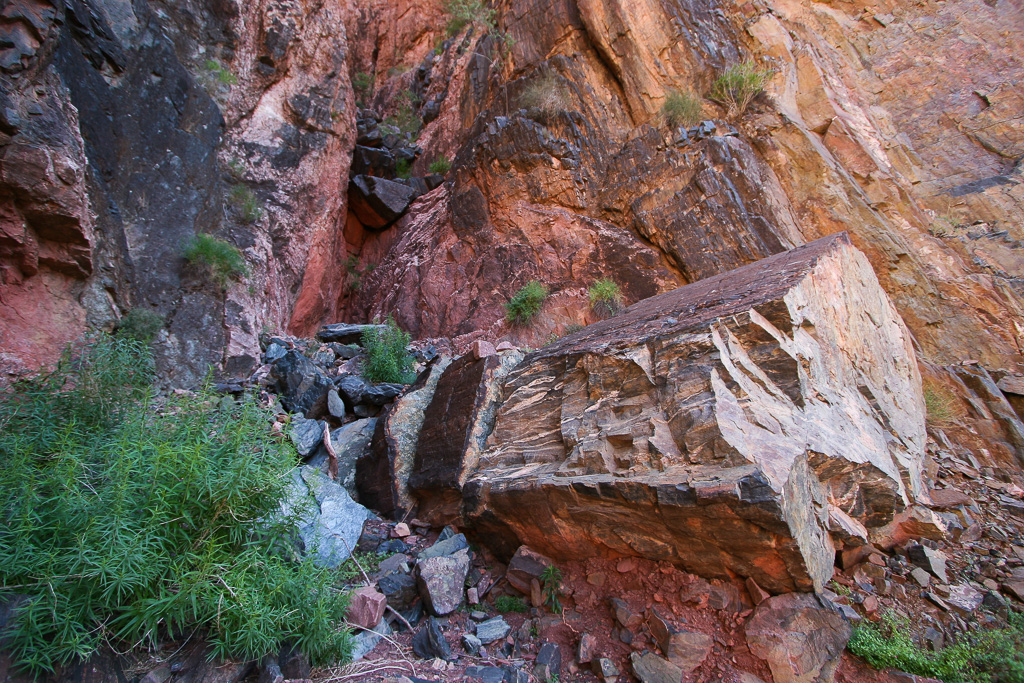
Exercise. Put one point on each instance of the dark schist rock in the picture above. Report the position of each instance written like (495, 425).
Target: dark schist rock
(710, 426)
(377, 202)
(301, 385)
(345, 333)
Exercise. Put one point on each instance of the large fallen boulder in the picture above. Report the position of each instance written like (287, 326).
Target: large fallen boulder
(377, 202)
(712, 426)
(329, 522)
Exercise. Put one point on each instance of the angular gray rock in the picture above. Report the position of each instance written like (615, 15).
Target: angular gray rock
(442, 582)
(932, 561)
(307, 435)
(448, 546)
(491, 630)
(800, 640)
(350, 442)
(712, 426)
(364, 641)
(377, 202)
(329, 521)
(344, 333)
(429, 642)
(301, 385)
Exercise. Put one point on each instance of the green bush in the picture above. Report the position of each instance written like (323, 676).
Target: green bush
(605, 296)
(217, 72)
(739, 84)
(681, 109)
(440, 165)
(124, 519)
(546, 93)
(387, 355)
(140, 324)
(221, 261)
(462, 13)
(362, 82)
(509, 603)
(246, 203)
(526, 303)
(993, 656)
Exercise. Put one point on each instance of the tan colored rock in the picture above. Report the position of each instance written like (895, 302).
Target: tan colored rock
(800, 640)
(710, 426)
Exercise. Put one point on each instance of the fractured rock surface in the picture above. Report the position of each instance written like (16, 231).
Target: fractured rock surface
(714, 425)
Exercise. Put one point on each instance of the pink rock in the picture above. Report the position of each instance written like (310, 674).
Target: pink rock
(482, 349)
(505, 346)
(366, 607)
(401, 530)
(473, 596)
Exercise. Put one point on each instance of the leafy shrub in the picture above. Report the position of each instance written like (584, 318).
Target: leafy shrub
(246, 203)
(219, 73)
(509, 603)
(221, 261)
(681, 109)
(992, 656)
(462, 13)
(551, 584)
(403, 169)
(605, 297)
(140, 324)
(440, 165)
(124, 519)
(739, 84)
(362, 82)
(526, 303)
(546, 93)
(387, 356)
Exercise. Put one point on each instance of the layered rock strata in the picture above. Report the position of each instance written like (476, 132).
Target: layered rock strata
(724, 426)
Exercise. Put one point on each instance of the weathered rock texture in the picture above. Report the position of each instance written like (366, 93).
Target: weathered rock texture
(716, 426)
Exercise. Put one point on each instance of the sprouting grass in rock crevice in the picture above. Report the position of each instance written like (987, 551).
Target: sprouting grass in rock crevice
(526, 303)
(124, 520)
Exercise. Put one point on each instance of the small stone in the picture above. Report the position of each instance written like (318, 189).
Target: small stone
(922, 577)
(162, 673)
(548, 665)
(932, 561)
(399, 588)
(366, 607)
(597, 578)
(586, 649)
(684, 648)
(757, 594)
(307, 435)
(429, 642)
(477, 615)
(473, 596)
(448, 546)
(471, 644)
(650, 668)
(401, 530)
(624, 615)
(626, 565)
(335, 406)
(482, 349)
(605, 669)
(870, 604)
(492, 630)
(536, 595)
(505, 346)
(524, 566)
(487, 674)
(442, 581)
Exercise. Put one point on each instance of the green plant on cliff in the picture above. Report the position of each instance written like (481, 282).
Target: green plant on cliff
(245, 203)
(681, 108)
(739, 84)
(404, 119)
(387, 354)
(605, 297)
(462, 13)
(140, 324)
(551, 584)
(125, 519)
(989, 656)
(220, 261)
(440, 165)
(526, 303)
(218, 73)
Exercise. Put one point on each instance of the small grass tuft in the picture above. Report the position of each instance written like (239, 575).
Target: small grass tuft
(681, 108)
(440, 165)
(387, 354)
(221, 261)
(140, 324)
(510, 603)
(245, 202)
(526, 303)
(605, 297)
(546, 93)
(219, 73)
(941, 406)
(739, 84)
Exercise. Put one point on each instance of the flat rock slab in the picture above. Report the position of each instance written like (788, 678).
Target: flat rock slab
(710, 425)
(345, 333)
(800, 639)
(492, 630)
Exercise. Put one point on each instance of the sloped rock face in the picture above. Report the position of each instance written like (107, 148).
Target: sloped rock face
(714, 426)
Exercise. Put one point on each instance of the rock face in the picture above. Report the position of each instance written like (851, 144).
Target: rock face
(714, 426)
